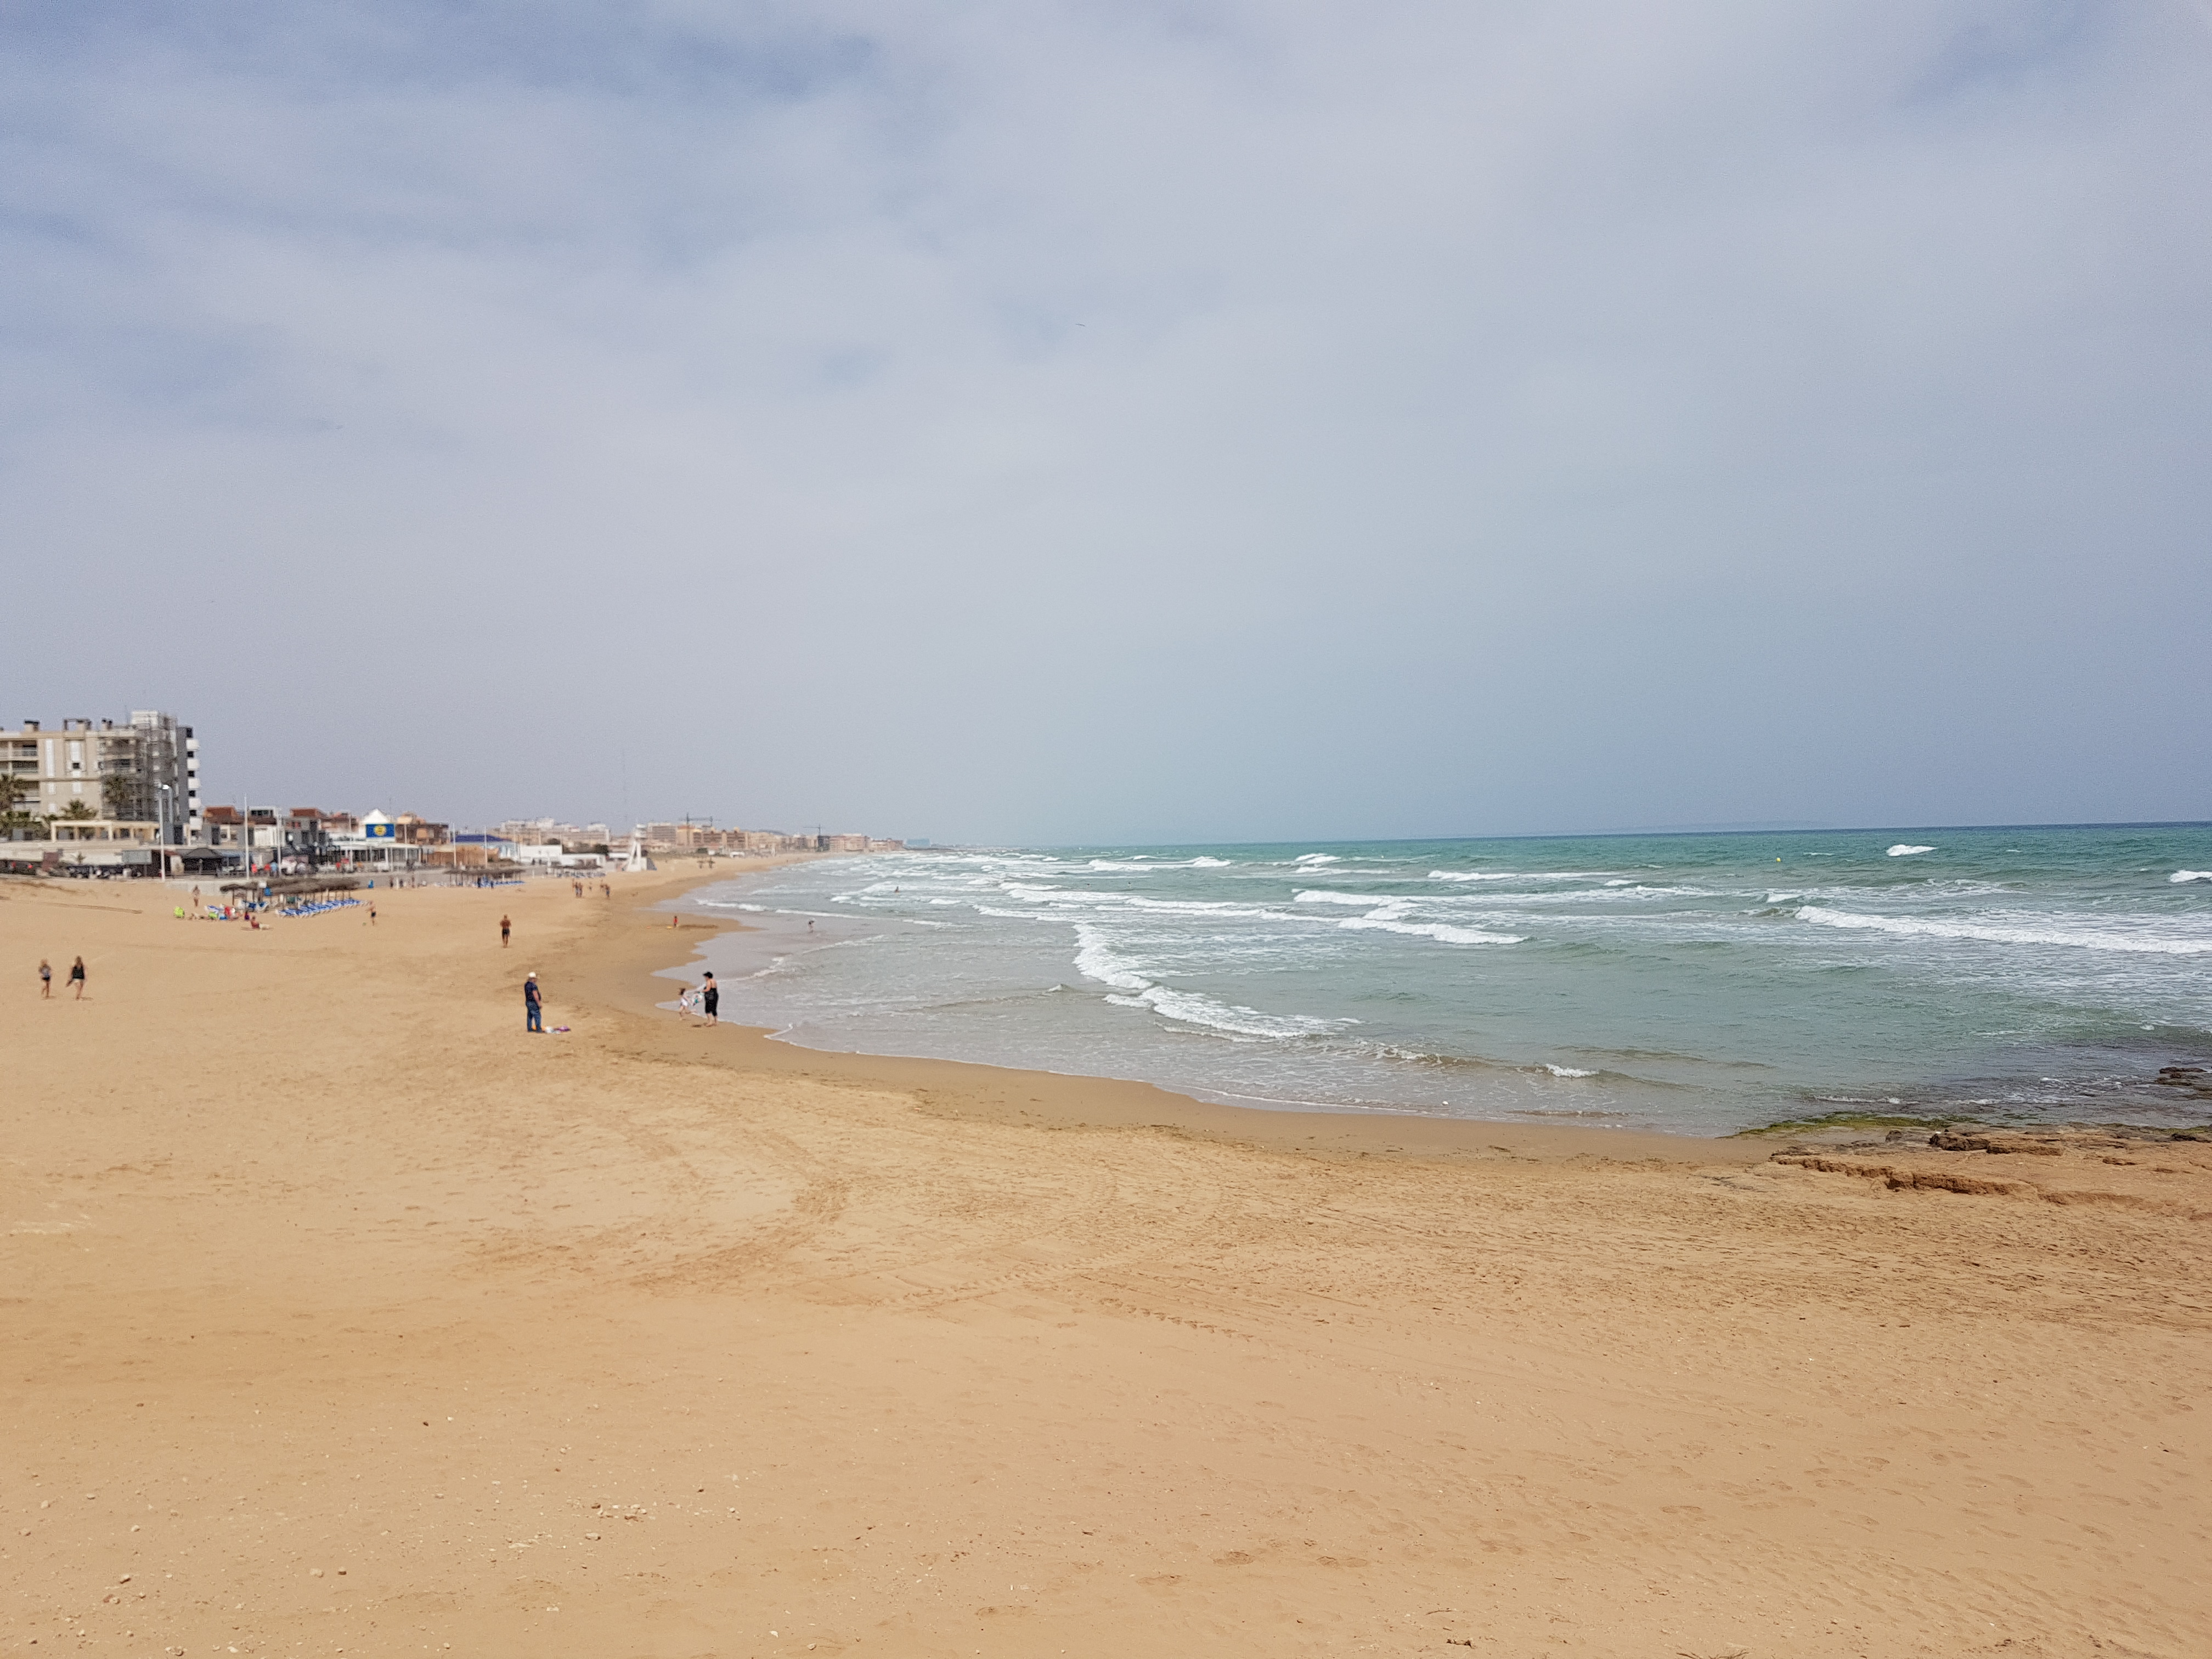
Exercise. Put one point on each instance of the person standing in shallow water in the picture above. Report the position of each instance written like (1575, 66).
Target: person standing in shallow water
(505, 928)
(533, 1005)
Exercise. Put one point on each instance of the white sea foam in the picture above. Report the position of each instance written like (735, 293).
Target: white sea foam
(1567, 1071)
(1035, 895)
(1210, 864)
(1901, 851)
(1442, 933)
(1316, 858)
(1516, 875)
(2190, 875)
(2080, 938)
(1193, 907)
(1312, 895)
(1097, 959)
(1194, 1008)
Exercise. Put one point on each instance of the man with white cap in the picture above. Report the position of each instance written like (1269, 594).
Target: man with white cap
(533, 1004)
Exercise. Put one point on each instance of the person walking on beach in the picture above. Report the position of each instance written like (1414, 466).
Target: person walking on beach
(76, 977)
(533, 1005)
(46, 979)
(710, 1000)
(505, 928)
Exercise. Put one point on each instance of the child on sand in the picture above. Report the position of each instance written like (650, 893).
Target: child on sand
(45, 978)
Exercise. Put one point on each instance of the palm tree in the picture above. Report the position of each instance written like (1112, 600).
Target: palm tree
(120, 797)
(14, 791)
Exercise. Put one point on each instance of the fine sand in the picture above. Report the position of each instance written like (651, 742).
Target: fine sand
(341, 1315)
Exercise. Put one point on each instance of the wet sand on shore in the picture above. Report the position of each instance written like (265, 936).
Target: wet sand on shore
(341, 1314)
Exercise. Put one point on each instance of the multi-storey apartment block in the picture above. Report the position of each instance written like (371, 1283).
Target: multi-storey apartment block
(146, 771)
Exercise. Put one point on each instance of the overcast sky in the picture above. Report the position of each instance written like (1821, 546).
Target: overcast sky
(1121, 420)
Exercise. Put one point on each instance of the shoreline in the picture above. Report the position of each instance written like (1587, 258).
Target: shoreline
(990, 1093)
(1674, 992)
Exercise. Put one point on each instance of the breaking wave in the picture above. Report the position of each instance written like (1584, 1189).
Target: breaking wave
(1516, 875)
(2080, 938)
(1097, 959)
(1442, 933)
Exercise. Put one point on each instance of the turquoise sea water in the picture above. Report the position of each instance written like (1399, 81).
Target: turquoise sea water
(1697, 983)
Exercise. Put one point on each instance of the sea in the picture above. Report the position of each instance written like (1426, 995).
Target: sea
(1701, 984)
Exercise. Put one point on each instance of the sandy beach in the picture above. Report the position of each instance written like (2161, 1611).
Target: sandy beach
(342, 1315)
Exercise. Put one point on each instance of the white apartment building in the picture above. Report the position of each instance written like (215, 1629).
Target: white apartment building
(144, 771)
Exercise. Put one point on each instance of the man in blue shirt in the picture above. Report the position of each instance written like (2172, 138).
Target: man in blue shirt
(533, 1004)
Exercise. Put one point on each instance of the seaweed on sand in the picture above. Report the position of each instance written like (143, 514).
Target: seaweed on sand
(1798, 1126)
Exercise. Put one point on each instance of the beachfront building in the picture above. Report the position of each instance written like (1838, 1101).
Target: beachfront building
(422, 832)
(543, 832)
(474, 850)
(82, 846)
(307, 831)
(689, 838)
(144, 771)
(253, 829)
(382, 842)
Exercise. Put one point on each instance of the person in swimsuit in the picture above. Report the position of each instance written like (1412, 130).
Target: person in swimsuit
(76, 977)
(505, 928)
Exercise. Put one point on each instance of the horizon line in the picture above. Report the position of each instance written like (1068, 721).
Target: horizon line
(1596, 835)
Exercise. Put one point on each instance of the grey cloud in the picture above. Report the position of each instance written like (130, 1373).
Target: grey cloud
(1070, 421)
